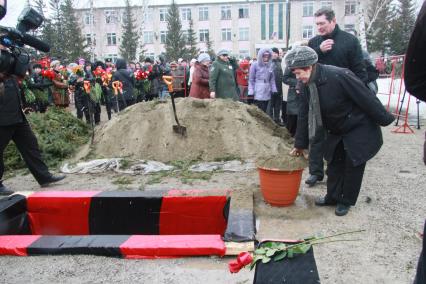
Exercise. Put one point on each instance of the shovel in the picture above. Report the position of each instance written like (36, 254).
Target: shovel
(179, 129)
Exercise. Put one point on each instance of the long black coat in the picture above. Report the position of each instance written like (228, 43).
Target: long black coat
(10, 103)
(125, 77)
(349, 111)
(346, 52)
(415, 71)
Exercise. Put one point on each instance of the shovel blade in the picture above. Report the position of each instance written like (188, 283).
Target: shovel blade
(179, 129)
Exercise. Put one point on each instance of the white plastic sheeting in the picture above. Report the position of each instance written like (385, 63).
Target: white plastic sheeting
(146, 167)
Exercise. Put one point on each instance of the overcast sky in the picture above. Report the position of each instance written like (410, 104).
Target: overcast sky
(15, 7)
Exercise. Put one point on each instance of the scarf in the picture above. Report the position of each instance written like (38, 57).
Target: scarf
(314, 116)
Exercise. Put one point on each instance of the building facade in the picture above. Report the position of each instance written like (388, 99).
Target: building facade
(243, 27)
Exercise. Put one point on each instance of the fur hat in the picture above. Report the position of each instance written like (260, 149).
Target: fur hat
(222, 52)
(203, 57)
(300, 57)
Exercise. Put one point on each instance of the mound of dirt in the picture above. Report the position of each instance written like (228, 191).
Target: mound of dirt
(216, 130)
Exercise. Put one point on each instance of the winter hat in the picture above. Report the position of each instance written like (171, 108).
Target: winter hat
(173, 63)
(148, 60)
(300, 57)
(193, 60)
(275, 50)
(203, 57)
(222, 52)
(244, 64)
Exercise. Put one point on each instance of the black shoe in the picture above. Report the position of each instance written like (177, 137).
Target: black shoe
(321, 201)
(4, 191)
(313, 179)
(342, 209)
(52, 179)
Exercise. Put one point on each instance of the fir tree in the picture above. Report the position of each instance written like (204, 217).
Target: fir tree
(192, 41)
(378, 26)
(175, 43)
(52, 32)
(401, 26)
(129, 40)
(209, 46)
(73, 43)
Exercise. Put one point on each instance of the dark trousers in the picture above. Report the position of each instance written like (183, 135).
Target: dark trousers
(291, 124)
(263, 105)
(26, 142)
(284, 115)
(275, 106)
(344, 180)
(316, 153)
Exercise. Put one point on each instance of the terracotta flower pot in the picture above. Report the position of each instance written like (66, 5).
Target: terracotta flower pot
(279, 187)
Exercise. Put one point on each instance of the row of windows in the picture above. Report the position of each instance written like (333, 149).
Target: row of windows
(308, 31)
(113, 16)
(148, 36)
(203, 35)
(308, 7)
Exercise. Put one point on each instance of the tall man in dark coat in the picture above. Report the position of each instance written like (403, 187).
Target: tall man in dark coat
(415, 82)
(14, 126)
(336, 100)
(338, 48)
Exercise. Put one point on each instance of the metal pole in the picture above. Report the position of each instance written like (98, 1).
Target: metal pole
(288, 8)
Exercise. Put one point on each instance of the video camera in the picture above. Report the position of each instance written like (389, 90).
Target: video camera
(15, 61)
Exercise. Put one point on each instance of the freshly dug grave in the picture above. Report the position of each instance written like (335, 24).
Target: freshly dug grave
(216, 130)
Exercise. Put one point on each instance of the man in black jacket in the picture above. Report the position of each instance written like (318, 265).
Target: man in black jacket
(338, 48)
(14, 126)
(336, 100)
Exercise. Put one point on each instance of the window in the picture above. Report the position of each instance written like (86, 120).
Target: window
(89, 39)
(163, 14)
(203, 13)
(112, 57)
(326, 4)
(225, 12)
(111, 39)
(263, 21)
(280, 20)
(350, 8)
(349, 28)
(150, 55)
(244, 33)
(308, 9)
(163, 36)
(111, 17)
(185, 14)
(204, 35)
(243, 12)
(226, 34)
(148, 37)
(148, 15)
(185, 34)
(271, 21)
(88, 18)
(308, 32)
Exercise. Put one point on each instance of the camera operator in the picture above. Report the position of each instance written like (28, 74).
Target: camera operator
(14, 126)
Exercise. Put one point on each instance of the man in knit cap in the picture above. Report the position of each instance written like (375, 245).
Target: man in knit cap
(335, 99)
(338, 48)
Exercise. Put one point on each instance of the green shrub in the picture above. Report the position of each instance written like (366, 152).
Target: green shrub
(59, 135)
